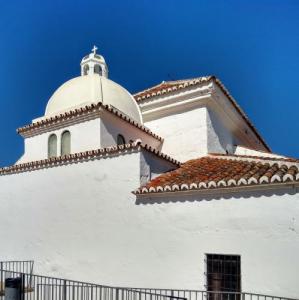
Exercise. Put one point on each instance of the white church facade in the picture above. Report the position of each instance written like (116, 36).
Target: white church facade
(172, 187)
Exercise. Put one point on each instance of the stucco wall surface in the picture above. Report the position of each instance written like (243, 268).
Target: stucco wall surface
(220, 138)
(111, 126)
(81, 221)
(84, 136)
(185, 135)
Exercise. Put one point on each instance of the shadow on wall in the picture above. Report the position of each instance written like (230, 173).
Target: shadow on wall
(213, 195)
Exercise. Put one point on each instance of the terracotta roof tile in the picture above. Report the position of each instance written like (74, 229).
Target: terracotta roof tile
(218, 172)
(286, 159)
(169, 86)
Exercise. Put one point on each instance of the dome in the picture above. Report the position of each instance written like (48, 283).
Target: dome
(92, 88)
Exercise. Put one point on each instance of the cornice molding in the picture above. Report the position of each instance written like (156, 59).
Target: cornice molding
(85, 156)
(80, 114)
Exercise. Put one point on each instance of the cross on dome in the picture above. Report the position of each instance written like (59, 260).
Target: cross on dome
(94, 63)
(94, 49)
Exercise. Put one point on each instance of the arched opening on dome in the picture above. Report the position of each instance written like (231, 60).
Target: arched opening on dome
(52, 146)
(66, 143)
(85, 69)
(120, 140)
(98, 70)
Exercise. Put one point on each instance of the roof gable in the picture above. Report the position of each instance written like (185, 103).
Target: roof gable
(169, 87)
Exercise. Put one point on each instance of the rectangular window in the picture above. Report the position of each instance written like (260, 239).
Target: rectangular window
(223, 275)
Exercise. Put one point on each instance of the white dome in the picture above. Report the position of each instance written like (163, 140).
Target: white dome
(85, 90)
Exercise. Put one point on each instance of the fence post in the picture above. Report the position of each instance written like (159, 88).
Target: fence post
(23, 286)
(1, 279)
(64, 290)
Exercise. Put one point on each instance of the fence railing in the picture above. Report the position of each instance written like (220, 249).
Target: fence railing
(208, 295)
(22, 266)
(36, 287)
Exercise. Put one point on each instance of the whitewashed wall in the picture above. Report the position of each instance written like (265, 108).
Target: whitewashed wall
(111, 126)
(84, 136)
(87, 135)
(81, 221)
(185, 134)
(219, 138)
(262, 227)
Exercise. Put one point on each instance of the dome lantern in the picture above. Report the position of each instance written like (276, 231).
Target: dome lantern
(94, 63)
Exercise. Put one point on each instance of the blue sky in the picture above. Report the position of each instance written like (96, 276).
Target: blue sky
(252, 46)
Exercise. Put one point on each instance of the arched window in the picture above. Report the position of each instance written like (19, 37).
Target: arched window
(65, 143)
(86, 69)
(120, 140)
(97, 69)
(52, 146)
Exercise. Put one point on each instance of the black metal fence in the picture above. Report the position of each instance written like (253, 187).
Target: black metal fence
(209, 295)
(36, 287)
(22, 266)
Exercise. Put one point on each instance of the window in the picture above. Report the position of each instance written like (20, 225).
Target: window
(97, 69)
(52, 146)
(65, 143)
(120, 140)
(223, 275)
(86, 69)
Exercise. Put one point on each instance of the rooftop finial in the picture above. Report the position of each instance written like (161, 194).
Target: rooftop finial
(93, 63)
(94, 49)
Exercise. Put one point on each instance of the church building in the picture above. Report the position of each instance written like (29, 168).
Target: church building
(171, 187)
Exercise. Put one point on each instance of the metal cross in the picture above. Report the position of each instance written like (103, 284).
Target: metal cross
(94, 49)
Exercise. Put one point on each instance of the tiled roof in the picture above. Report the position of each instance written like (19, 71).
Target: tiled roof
(171, 86)
(84, 156)
(166, 87)
(278, 159)
(88, 109)
(211, 172)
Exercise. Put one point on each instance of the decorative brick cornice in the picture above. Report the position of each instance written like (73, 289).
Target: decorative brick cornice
(174, 86)
(84, 156)
(79, 112)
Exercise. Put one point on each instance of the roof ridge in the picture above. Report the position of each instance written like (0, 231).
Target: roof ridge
(84, 155)
(152, 87)
(255, 157)
(171, 82)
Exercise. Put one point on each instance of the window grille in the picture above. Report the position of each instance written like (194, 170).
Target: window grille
(224, 274)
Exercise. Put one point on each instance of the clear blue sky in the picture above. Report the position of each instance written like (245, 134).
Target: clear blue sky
(252, 46)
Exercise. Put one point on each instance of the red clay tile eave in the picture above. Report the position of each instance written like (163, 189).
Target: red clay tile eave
(81, 111)
(168, 87)
(81, 156)
(212, 173)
